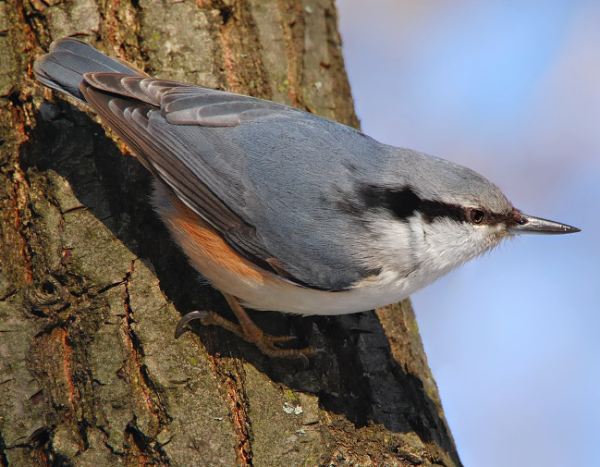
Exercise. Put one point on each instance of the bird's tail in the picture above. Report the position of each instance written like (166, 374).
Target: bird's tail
(63, 67)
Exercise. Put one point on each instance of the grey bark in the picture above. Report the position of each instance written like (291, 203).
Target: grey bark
(91, 286)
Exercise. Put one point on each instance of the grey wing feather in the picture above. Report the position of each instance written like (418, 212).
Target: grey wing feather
(162, 154)
(266, 176)
(205, 107)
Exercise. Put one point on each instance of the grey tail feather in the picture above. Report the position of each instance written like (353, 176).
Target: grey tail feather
(63, 67)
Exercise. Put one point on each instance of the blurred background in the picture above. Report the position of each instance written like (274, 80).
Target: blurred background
(512, 90)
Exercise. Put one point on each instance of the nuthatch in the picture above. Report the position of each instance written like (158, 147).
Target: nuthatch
(282, 210)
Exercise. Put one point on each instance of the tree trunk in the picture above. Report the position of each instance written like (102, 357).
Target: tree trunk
(91, 286)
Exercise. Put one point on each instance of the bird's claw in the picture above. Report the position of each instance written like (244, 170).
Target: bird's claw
(266, 343)
(182, 325)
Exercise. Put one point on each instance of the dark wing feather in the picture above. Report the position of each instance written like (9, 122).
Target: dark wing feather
(68, 59)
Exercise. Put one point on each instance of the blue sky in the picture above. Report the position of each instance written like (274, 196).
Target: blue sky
(512, 90)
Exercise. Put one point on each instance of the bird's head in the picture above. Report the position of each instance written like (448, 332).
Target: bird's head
(441, 214)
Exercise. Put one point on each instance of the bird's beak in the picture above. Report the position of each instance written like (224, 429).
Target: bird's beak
(537, 225)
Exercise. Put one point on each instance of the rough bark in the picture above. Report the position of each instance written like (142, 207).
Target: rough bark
(91, 286)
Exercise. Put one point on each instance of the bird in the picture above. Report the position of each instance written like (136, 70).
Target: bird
(282, 210)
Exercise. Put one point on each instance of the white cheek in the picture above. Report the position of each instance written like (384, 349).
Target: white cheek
(429, 247)
(411, 255)
(448, 244)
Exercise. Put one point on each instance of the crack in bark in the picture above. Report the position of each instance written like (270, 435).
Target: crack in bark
(74, 209)
(142, 385)
(67, 367)
(8, 295)
(146, 450)
(20, 190)
(231, 376)
(108, 287)
(41, 450)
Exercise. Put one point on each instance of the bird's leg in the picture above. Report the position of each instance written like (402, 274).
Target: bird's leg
(210, 318)
(247, 330)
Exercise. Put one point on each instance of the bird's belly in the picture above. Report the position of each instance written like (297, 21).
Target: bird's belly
(259, 289)
(369, 294)
(262, 290)
(304, 301)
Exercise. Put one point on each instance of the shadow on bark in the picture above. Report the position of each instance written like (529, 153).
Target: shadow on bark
(355, 375)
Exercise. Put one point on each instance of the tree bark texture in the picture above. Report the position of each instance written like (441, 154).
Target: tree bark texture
(91, 285)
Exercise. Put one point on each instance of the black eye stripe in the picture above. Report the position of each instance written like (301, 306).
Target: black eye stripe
(404, 203)
(430, 210)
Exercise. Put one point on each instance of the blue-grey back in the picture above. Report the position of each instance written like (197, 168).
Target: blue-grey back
(288, 177)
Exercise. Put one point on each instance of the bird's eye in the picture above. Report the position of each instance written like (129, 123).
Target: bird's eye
(475, 216)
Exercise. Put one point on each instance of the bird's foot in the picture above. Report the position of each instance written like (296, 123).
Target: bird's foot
(266, 343)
